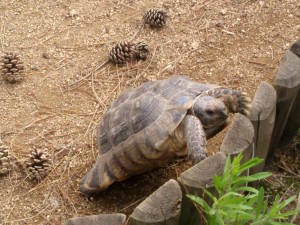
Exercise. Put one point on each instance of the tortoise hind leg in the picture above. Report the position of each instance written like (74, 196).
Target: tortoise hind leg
(98, 178)
(195, 138)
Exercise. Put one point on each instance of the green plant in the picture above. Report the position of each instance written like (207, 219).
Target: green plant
(239, 204)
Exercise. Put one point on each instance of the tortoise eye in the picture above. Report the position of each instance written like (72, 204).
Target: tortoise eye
(209, 112)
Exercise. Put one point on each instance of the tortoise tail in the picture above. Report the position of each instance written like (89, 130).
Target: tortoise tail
(97, 179)
(235, 100)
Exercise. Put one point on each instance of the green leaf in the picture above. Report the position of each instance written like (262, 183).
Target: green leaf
(284, 215)
(229, 194)
(253, 200)
(218, 221)
(260, 200)
(210, 195)
(250, 189)
(261, 175)
(227, 165)
(218, 183)
(212, 220)
(288, 201)
(221, 212)
(239, 214)
(231, 199)
(200, 202)
(254, 177)
(236, 162)
(250, 164)
(251, 197)
(275, 208)
(265, 206)
(281, 223)
(239, 206)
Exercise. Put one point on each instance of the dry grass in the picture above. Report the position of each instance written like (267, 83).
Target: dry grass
(232, 43)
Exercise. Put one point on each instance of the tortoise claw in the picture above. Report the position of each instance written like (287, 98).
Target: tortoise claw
(244, 104)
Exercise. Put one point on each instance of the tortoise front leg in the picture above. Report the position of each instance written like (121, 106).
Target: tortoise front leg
(195, 138)
(235, 100)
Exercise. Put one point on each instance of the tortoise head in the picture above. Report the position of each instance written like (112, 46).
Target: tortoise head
(211, 111)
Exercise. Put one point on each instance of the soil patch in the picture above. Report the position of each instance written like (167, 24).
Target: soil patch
(232, 43)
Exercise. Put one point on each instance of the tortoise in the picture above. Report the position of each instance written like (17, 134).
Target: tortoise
(148, 126)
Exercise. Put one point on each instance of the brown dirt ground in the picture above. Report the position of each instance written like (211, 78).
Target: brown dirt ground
(232, 43)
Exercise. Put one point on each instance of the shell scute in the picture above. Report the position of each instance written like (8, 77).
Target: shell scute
(137, 110)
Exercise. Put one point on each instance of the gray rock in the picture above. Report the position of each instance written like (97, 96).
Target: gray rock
(104, 219)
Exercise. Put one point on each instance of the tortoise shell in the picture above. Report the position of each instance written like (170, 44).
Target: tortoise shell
(148, 126)
(150, 112)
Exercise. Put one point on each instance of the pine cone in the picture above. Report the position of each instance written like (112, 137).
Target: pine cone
(11, 67)
(38, 164)
(4, 159)
(155, 17)
(141, 51)
(121, 52)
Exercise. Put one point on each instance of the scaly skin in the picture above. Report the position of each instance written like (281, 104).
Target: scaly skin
(236, 101)
(195, 138)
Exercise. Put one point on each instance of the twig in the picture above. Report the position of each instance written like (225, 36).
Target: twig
(30, 217)
(207, 60)
(272, 52)
(8, 215)
(280, 200)
(62, 191)
(2, 34)
(261, 3)
(228, 32)
(141, 26)
(279, 181)
(57, 68)
(85, 46)
(254, 62)
(132, 204)
(119, 82)
(297, 209)
(95, 93)
(41, 136)
(38, 137)
(128, 6)
(95, 112)
(35, 121)
(46, 219)
(54, 34)
(203, 5)
(89, 74)
(172, 63)
(148, 64)
(59, 61)
(286, 168)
